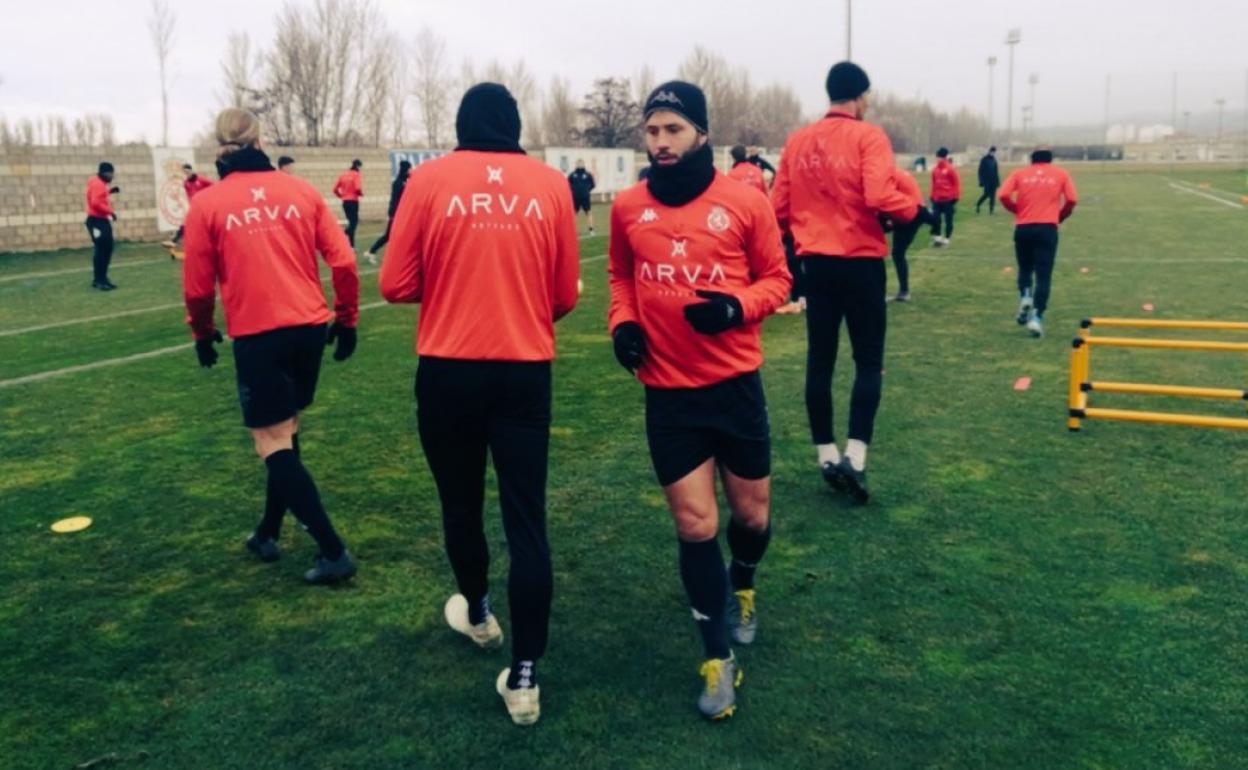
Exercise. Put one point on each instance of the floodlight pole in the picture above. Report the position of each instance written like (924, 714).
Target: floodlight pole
(992, 63)
(1032, 79)
(849, 30)
(1011, 39)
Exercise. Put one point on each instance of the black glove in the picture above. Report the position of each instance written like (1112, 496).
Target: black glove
(114, 216)
(630, 345)
(346, 340)
(720, 313)
(114, 189)
(886, 222)
(205, 350)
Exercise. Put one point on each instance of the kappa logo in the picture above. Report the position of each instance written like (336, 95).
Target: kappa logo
(493, 175)
(647, 216)
(257, 194)
(717, 221)
(669, 97)
(678, 247)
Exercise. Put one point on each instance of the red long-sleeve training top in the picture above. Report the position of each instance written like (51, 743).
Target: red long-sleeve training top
(835, 178)
(725, 240)
(486, 242)
(749, 174)
(1039, 194)
(257, 233)
(946, 182)
(194, 185)
(98, 203)
(350, 186)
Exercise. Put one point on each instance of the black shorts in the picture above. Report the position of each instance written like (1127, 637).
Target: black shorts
(277, 373)
(580, 203)
(726, 421)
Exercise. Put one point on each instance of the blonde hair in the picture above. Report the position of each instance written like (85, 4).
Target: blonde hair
(236, 129)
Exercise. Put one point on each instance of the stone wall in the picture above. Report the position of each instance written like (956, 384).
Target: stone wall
(42, 190)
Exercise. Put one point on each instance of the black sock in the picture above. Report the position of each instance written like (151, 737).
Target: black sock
(294, 484)
(702, 571)
(478, 611)
(747, 546)
(270, 527)
(523, 674)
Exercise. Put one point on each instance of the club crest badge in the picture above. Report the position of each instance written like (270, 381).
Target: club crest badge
(717, 221)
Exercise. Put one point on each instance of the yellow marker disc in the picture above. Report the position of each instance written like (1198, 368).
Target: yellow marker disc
(72, 524)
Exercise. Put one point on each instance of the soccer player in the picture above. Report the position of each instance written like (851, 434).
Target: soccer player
(485, 240)
(1041, 196)
(256, 233)
(757, 159)
(695, 266)
(350, 188)
(989, 180)
(946, 190)
(396, 192)
(286, 164)
(746, 172)
(835, 180)
(903, 234)
(99, 223)
(192, 183)
(582, 183)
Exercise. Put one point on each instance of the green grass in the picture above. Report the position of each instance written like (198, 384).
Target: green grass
(1015, 595)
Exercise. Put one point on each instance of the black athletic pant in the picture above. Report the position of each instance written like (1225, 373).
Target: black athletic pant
(990, 195)
(795, 267)
(101, 231)
(943, 210)
(352, 210)
(463, 409)
(385, 237)
(851, 289)
(902, 238)
(1035, 247)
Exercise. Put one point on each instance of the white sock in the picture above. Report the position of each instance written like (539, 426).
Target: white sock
(828, 453)
(856, 451)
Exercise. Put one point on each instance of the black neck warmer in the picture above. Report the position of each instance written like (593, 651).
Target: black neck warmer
(1042, 156)
(679, 184)
(488, 120)
(246, 159)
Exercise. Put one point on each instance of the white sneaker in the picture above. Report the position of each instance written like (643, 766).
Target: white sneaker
(524, 705)
(371, 257)
(1024, 310)
(1035, 326)
(936, 241)
(487, 635)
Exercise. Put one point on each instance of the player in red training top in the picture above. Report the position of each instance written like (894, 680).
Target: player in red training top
(695, 266)
(350, 188)
(256, 233)
(485, 240)
(1041, 196)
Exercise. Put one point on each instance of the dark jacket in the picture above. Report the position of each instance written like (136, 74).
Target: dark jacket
(396, 193)
(989, 176)
(582, 183)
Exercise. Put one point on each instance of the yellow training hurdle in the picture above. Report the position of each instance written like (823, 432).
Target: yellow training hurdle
(1081, 382)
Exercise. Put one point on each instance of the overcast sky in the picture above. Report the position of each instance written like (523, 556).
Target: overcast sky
(69, 57)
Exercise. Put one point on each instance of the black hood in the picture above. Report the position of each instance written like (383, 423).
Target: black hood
(488, 120)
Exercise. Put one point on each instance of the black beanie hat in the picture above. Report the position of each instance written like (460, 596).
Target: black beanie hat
(105, 168)
(847, 81)
(943, 152)
(683, 98)
(488, 120)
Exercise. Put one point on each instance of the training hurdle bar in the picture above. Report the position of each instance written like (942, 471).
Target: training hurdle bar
(1081, 382)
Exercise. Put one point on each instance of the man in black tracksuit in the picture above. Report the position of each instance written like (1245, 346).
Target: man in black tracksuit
(582, 184)
(396, 193)
(990, 180)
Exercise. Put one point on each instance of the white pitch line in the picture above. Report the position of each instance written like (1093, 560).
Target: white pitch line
(40, 376)
(1213, 198)
(71, 271)
(110, 316)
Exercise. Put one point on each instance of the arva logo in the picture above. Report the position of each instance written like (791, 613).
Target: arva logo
(493, 203)
(666, 272)
(257, 214)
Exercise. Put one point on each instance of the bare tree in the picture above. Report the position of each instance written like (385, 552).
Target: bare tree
(160, 25)
(611, 116)
(775, 112)
(399, 93)
(238, 68)
(432, 78)
(559, 115)
(645, 83)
